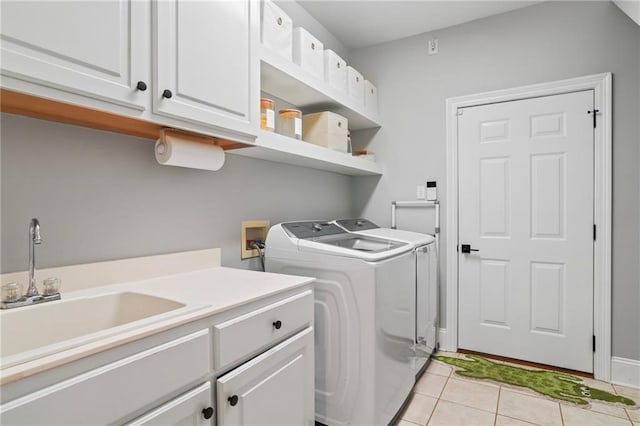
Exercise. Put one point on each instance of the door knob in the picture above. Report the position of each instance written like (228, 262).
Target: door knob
(277, 324)
(141, 86)
(466, 248)
(167, 94)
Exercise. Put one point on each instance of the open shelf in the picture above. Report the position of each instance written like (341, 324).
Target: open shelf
(287, 81)
(282, 149)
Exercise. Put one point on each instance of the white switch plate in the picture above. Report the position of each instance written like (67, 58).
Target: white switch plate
(432, 46)
(420, 192)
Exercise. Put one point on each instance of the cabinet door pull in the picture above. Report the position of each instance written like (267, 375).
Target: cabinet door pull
(167, 94)
(277, 324)
(233, 400)
(141, 86)
(207, 413)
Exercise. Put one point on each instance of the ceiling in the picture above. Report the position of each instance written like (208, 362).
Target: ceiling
(362, 23)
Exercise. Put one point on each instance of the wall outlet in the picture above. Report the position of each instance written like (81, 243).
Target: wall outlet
(432, 46)
(420, 192)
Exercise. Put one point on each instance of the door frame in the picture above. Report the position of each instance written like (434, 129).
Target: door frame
(601, 85)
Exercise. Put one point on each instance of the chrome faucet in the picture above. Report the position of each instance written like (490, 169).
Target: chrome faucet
(34, 238)
(12, 290)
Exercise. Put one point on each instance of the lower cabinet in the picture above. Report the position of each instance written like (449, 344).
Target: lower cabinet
(267, 382)
(193, 408)
(274, 388)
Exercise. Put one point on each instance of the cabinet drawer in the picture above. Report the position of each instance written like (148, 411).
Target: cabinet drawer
(274, 388)
(245, 334)
(184, 410)
(109, 393)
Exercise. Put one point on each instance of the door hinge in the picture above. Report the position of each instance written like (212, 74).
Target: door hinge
(594, 343)
(594, 232)
(593, 112)
(459, 111)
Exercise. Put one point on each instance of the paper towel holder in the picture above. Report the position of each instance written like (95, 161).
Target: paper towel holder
(182, 149)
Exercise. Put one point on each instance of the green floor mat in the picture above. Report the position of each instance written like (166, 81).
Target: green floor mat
(552, 384)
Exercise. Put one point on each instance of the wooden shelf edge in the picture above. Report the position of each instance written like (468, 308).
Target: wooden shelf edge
(46, 109)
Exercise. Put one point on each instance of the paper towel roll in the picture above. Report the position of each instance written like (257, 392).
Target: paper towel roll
(182, 150)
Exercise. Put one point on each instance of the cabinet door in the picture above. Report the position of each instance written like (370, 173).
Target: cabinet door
(97, 49)
(275, 388)
(202, 63)
(192, 408)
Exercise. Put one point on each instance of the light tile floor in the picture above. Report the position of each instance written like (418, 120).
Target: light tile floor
(442, 398)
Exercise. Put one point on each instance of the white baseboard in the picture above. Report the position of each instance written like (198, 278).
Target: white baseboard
(625, 372)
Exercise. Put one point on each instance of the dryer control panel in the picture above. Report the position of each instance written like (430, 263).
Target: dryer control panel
(312, 229)
(353, 225)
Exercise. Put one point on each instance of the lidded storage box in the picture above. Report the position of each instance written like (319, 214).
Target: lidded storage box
(277, 29)
(335, 71)
(308, 52)
(370, 98)
(355, 85)
(326, 129)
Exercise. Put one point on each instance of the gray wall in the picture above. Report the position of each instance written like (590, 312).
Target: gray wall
(101, 196)
(545, 42)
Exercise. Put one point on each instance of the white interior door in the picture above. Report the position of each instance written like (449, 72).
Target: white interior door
(526, 206)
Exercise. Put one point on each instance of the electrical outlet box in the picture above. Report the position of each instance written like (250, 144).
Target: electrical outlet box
(420, 192)
(252, 230)
(432, 46)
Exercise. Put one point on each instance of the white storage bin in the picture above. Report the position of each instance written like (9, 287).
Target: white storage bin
(326, 129)
(277, 29)
(370, 99)
(335, 71)
(308, 52)
(355, 85)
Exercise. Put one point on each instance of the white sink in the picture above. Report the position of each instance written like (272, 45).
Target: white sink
(32, 332)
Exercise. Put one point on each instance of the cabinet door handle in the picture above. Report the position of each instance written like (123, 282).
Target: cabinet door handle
(233, 400)
(141, 86)
(277, 324)
(207, 413)
(167, 94)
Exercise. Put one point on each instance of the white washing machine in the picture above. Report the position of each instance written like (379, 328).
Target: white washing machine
(364, 317)
(427, 296)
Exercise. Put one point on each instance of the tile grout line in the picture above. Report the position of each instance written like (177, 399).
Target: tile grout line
(439, 396)
(495, 418)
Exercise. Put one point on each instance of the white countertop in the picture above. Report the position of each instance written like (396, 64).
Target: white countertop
(205, 291)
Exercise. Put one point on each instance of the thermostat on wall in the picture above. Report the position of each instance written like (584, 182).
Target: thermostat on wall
(432, 193)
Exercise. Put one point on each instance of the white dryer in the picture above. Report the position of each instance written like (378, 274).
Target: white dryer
(426, 265)
(364, 317)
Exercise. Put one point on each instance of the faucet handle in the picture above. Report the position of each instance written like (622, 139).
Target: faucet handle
(51, 286)
(11, 292)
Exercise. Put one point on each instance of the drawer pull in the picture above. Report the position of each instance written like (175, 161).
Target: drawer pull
(233, 400)
(207, 413)
(277, 324)
(141, 86)
(167, 94)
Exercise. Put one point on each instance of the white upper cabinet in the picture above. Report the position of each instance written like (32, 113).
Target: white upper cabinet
(96, 49)
(202, 54)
